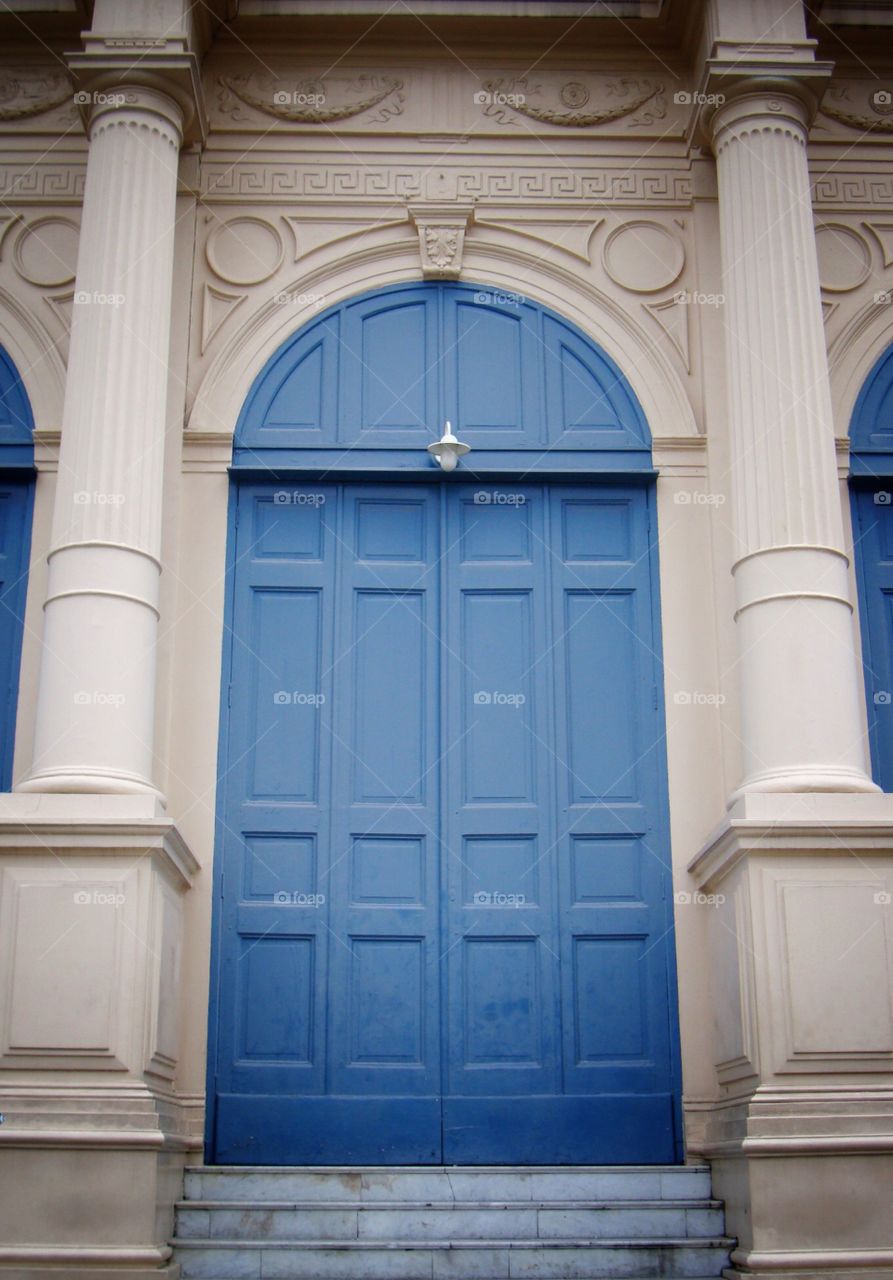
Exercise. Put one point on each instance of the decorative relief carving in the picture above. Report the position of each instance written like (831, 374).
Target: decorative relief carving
(441, 239)
(615, 99)
(281, 180)
(844, 257)
(672, 316)
(643, 256)
(441, 248)
(244, 250)
(217, 306)
(312, 101)
(26, 181)
(45, 252)
(860, 106)
(883, 234)
(30, 91)
(843, 190)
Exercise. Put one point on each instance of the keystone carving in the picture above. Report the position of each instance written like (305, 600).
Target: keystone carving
(441, 240)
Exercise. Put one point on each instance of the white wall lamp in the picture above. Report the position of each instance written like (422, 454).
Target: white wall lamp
(448, 450)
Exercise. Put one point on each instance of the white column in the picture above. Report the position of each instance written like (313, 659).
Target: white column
(96, 697)
(800, 677)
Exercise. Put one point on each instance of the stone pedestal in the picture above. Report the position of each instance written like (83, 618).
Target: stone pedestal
(798, 890)
(94, 1136)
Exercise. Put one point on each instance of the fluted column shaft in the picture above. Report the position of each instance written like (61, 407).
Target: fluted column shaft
(799, 673)
(96, 696)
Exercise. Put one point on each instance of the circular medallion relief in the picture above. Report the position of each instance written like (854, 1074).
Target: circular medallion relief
(574, 95)
(844, 257)
(643, 257)
(46, 251)
(244, 250)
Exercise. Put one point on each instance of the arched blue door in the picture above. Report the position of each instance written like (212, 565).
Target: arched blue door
(443, 916)
(16, 497)
(871, 487)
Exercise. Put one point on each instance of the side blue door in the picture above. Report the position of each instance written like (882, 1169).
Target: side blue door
(443, 926)
(873, 536)
(15, 539)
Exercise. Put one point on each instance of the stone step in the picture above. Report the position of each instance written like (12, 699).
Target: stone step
(445, 1184)
(670, 1259)
(536, 1220)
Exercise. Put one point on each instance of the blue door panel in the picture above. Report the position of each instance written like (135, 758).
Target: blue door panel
(571, 1130)
(389, 348)
(444, 865)
(873, 531)
(588, 403)
(15, 539)
(492, 372)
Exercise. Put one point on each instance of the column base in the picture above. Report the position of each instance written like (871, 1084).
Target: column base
(88, 782)
(806, 780)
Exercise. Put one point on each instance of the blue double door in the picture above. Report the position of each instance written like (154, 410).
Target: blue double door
(443, 927)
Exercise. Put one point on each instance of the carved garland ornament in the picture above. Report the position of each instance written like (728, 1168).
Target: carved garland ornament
(618, 98)
(875, 117)
(29, 91)
(312, 101)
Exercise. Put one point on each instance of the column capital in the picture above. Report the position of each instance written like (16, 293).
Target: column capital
(161, 69)
(749, 95)
(127, 103)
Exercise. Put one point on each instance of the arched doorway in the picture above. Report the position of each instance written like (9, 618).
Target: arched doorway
(16, 501)
(443, 915)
